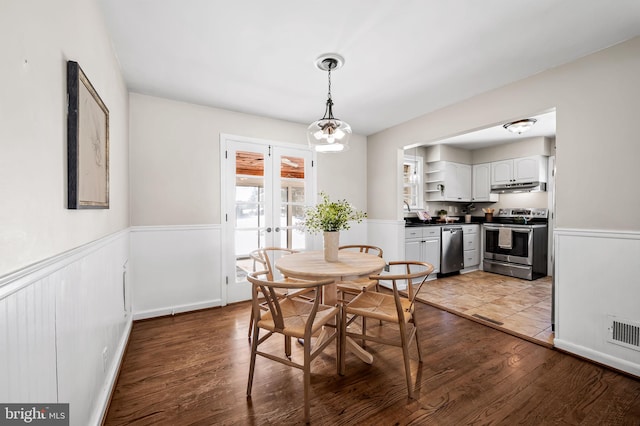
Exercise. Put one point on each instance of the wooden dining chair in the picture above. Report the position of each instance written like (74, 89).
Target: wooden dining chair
(264, 260)
(291, 318)
(393, 308)
(358, 285)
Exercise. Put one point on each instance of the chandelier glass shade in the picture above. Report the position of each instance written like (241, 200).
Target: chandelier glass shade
(329, 134)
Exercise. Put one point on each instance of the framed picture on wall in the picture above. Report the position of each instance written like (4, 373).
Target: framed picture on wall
(87, 143)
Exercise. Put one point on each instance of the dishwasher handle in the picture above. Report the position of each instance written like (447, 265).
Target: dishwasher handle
(452, 229)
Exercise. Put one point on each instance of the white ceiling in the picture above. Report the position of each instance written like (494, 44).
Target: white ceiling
(545, 126)
(402, 58)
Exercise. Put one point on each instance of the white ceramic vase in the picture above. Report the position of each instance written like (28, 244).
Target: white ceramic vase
(331, 244)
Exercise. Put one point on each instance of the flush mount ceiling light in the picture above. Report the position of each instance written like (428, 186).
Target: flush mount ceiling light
(520, 126)
(329, 134)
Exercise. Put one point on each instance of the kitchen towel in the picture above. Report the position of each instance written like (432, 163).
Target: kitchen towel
(504, 238)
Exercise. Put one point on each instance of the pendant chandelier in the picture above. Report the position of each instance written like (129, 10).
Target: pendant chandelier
(329, 134)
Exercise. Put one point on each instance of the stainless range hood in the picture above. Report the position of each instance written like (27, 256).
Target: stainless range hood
(519, 187)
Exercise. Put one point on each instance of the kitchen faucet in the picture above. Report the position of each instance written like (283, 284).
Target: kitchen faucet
(408, 208)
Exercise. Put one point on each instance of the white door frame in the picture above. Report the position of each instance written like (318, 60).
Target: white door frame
(227, 245)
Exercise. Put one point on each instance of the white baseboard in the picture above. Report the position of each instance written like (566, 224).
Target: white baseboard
(104, 397)
(599, 357)
(172, 310)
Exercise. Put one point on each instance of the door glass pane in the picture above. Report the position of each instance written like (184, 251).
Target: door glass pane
(292, 167)
(249, 203)
(246, 242)
(298, 237)
(250, 209)
(292, 199)
(249, 163)
(297, 195)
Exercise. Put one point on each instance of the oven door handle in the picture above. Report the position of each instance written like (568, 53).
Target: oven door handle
(520, 230)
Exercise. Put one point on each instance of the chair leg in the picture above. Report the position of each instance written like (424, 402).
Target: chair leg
(252, 363)
(287, 346)
(343, 340)
(338, 340)
(415, 328)
(378, 290)
(364, 331)
(307, 378)
(250, 325)
(407, 361)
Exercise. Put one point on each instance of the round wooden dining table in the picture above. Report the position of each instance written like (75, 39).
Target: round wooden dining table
(310, 265)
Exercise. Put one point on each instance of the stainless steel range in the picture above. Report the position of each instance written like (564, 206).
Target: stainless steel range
(515, 243)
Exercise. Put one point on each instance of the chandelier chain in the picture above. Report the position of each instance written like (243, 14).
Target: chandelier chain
(329, 93)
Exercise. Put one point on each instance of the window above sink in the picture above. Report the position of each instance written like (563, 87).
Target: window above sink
(412, 168)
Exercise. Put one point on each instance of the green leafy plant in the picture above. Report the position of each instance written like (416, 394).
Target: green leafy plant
(331, 216)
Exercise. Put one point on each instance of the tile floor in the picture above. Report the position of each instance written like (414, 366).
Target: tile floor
(516, 306)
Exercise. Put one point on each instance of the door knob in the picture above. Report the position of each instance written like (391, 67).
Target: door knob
(277, 229)
(269, 229)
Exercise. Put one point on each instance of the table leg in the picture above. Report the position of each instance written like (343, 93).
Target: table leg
(359, 351)
(331, 298)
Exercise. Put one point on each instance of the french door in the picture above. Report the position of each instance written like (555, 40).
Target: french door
(266, 188)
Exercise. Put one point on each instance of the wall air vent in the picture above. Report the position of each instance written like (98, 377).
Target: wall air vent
(623, 332)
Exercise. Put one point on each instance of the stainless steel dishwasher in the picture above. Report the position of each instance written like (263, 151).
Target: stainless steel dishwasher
(452, 259)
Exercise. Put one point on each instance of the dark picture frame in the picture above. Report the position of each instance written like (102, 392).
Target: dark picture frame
(87, 143)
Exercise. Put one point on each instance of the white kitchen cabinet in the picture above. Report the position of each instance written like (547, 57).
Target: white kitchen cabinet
(432, 252)
(423, 245)
(413, 249)
(501, 172)
(519, 170)
(481, 182)
(471, 245)
(448, 181)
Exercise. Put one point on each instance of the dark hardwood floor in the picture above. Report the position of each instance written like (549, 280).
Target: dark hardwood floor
(191, 369)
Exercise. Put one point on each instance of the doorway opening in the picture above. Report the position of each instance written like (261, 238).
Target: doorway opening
(484, 147)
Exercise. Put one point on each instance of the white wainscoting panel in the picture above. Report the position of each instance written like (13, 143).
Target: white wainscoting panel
(27, 344)
(58, 316)
(389, 236)
(175, 269)
(597, 274)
